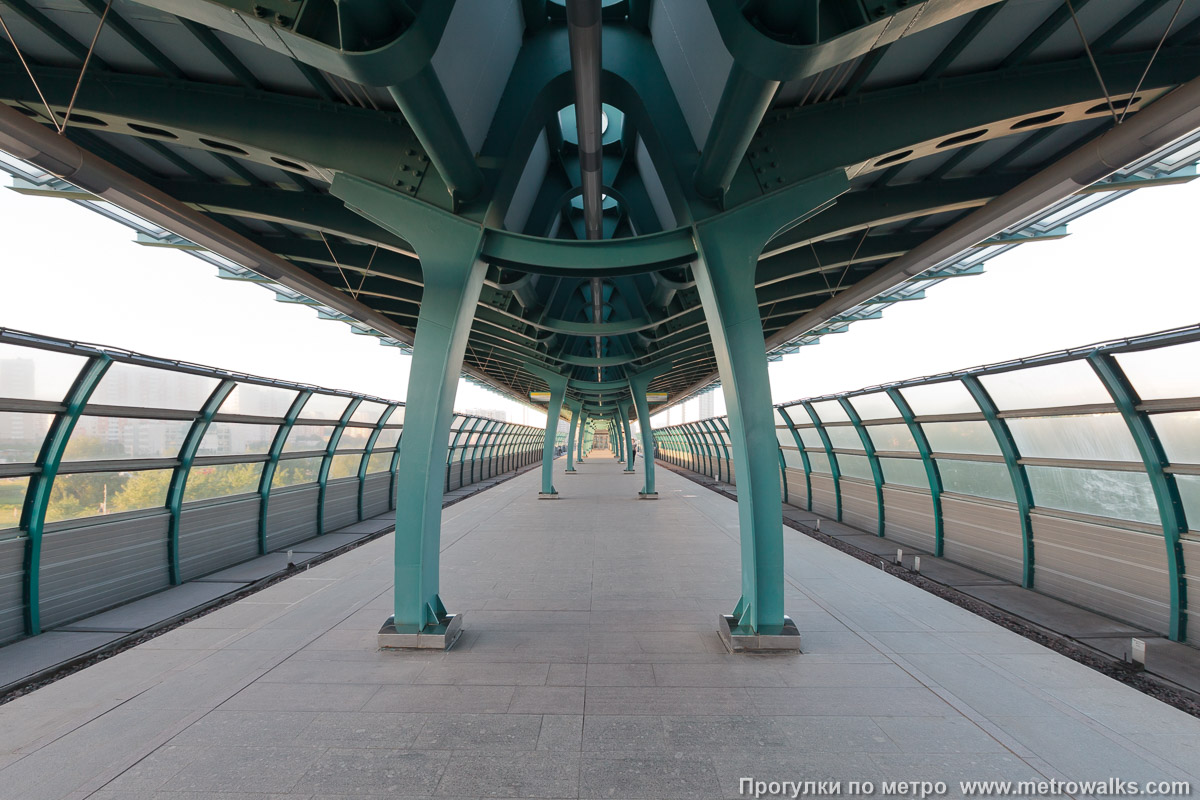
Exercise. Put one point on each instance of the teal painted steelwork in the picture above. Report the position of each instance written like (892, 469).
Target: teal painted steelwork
(37, 497)
(932, 472)
(583, 419)
(454, 448)
(787, 418)
(834, 471)
(558, 391)
(700, 435)
(699, 456)
(869, 447)
(639, 384)
(716, 446)
(369, 451)
(179, 475)
(1166, 490)
(1016, 472)
(627, 434)
(481, 438)
(268, 473)
(327, 459)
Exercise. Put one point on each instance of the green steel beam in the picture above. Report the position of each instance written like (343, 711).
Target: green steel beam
(41, 485)
(1166, 490)
(327, 460)
(178, 485)
(932, 472)
(1016, 472)
(869, 447)
(834, 470)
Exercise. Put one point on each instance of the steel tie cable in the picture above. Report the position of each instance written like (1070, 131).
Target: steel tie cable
(83, 70)
(29, 72)
(1095, 67)
(1149, 64)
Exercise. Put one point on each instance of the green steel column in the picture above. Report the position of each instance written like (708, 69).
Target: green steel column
(575, 407)
(41, 484)
(452, 273)
(1016, 472)
(558, 392)
(618, 441)
(834, 470)
(639, 384)
(179, 476)
(366, 459)
(787, 418)
(931, 468)
(327, 460)
(583, 416)
(1166, 490)
(623, 410)
(728, 248)
(872, 459)
(272, 463)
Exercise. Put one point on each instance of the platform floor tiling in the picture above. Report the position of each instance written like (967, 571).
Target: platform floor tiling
(589, 667)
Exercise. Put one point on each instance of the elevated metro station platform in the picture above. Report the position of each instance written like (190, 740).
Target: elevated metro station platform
(589, 666)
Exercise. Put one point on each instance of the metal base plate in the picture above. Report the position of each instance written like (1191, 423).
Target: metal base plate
(785, 639)
(548, 495)
(629, 471)
(645, 496)
(434, 637)
(571, 472)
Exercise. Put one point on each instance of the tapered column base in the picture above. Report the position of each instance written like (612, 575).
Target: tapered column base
(783, 638)
(432, 637)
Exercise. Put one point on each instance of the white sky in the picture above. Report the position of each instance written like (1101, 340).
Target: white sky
(1127, 269)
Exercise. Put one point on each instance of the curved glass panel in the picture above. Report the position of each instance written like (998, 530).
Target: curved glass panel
(12, 498)
(307, 437)
(96, 438)
(792, 459)
(221, 480)
(947, 397)
(380, 462)
(296, 471)
(977, 478)
(1164, 373)
(28, 373)
(1097, 437)
(146, 387)
(97, 493)
(254, 400)
(819, 462)
(855, 467)
(904, 472)
(236, 438)
(368, 411)
(1070, 383)
(1189, 493)
(784, 437)
(354, 438)
(1120, 495)
(388, 437)
(875, 406)
(397, 417)
(344, 466)
(961, 437)
(810, 437)
(844, 438)
(1180, 436)
(830, 411)
(324, 406)
(892, 437)
(21, 436)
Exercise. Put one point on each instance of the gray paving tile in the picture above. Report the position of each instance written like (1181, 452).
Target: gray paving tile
(938, 735)
(547, 700)
(648, 777)
(243, 769)
(306, 697)
(233, 728)
(533, 775)
(373, 771)
(630, 734)
(481, 732)
(561, 732)
(444, 699)
(362, 729)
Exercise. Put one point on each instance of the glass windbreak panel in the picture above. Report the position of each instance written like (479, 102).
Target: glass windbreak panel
(1098, 437)
(221, 480)
(307, 437)
(1070, 383)
(875, 406)
(793, 460)
(368, 412)
(1189, 493)
(819, 462)
(354, 438)
(296, 471)
(976, 478)
(380, 462)
(785, 438)
(946, 397)
(344, 466)
(810, 437)
(235, 438)
(397, 417)
(254, 400)
(147, 387)
(904, 472)
(96, 438)
(21, 436)
(830, 411)
(1180, 436)
(855, 467)
(27, 373)
(97, 493)
(324, 406)
(961, 437)
(1164, 373)
(778, 417)
(844, 438)
(455, 424)
(12, 498)
(1120, 495)
(893, 438)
